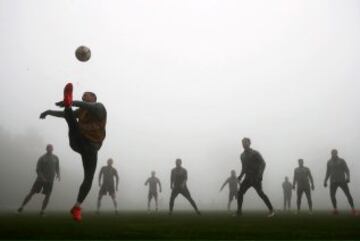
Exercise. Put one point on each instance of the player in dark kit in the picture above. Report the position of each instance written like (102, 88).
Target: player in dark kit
(287, 190)
(339, 174)
(47, 167)
(108, 173)
(153, 182)
(86, 134)
(178, 186)
(305, 183)
(253, 166)
(233, 187)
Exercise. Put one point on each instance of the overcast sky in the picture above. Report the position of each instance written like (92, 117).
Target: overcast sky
(184, 79)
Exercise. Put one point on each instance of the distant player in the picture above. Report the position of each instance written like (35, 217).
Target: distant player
(253, 166)
(178, 186)
(107, 174)
(287, 190)
(339, 174)
(86, 134)
(233, 183)
(305, 183)
(47, 167)
(153, 182)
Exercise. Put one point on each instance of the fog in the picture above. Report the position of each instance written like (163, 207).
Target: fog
(185, 79)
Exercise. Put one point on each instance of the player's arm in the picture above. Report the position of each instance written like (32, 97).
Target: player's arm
(38, 170)
(117, 179)
(347, 172)
(327, 175)
(56, 113)
(262, 165)
(295, 179)
(243, 168)
(57, 169)
(311, 180)
(147, 181)
(222, 187)
(158, 181)
(172, 179)
(100, 175)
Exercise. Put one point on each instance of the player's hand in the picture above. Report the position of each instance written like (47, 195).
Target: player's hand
(312, 187)
(325, 184)
(58, 178)
(44, 114)
(348, 180)
(60, 104)
(294, 187)
(160, 190)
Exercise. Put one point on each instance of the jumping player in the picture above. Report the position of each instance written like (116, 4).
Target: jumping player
(153, 182)
(253, 166)
(233, 183)
(303, 179)
(178, 186)
(287, 190)
(339, 174)
(108, 173)
(47, 167)
(86, 134)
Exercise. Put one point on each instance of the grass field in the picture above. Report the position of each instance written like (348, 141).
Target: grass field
(180, 226)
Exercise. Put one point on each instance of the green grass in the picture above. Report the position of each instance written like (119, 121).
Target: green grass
(181, 226)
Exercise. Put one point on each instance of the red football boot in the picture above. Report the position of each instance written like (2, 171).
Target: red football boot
(76, 213)
(68, 97)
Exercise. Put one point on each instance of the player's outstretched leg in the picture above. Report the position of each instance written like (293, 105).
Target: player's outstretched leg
(174, 194)
(113, 197)
(308, 197)
(346, 190)
(266, 200)
(26, 200)
(333, 188)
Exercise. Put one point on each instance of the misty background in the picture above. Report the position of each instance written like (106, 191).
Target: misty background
(184, 79)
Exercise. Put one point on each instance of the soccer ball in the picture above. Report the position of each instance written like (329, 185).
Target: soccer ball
(83, 53)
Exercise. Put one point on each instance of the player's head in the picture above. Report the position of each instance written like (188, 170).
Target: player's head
(153, 173)
(49, 148)
(301, 162)
(246, 142)
(334, 153)
(233, 173)
(110, 162)
(286, 179)
(178, 162)
(89, 97)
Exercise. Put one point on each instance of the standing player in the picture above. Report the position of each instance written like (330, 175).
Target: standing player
(178, 186)
(47, 167)
(108, 173)
(233, 187)
(303, 179)
(86, 134)
(287, 190)
(153, 182)
(253, 166)
(339, 175)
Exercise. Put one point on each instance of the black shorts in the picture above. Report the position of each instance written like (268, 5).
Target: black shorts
(304, 189)
(152, 195)
(107, 189)
(41, 186)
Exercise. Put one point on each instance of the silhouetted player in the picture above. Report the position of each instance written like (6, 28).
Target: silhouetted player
(153, 182)
(86, 134)
(178, 185)
(108, 173)
(47, 167)
(303, 179)
(339, 174)
(253, 166)
(287, 190)
(233, 183)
